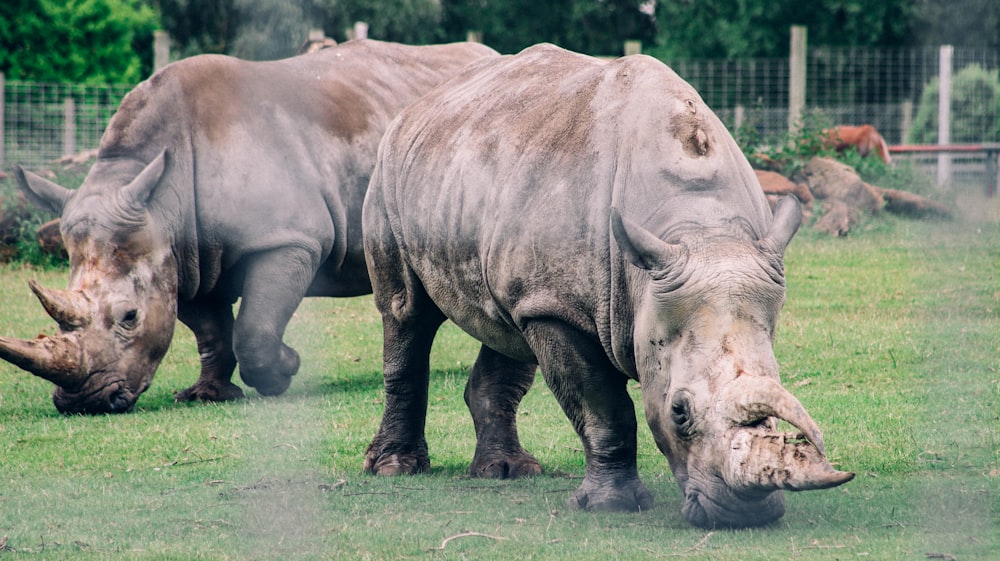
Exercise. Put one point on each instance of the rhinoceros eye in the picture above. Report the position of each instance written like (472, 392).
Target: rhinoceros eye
(130, 319)
(680, 414)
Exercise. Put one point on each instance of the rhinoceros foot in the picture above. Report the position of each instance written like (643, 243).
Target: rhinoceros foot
(629, 496)
(396, 464)
(210, 390)
(500, 466)
(271, 378)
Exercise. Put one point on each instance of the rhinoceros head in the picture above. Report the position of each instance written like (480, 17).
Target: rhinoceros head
(116, 318)
(703, 340)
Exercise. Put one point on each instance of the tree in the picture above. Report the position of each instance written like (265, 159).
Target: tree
(962, 23)
(597, 28)
(198, 26)
(82, 41)
(406, 21)
(760, 28)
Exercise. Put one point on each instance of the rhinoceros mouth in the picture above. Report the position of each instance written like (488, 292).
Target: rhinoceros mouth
(701, 510)
(110, 397)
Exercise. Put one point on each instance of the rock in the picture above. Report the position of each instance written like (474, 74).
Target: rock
(829, 179)
(838, 218)
(774, 183)
(909, 204)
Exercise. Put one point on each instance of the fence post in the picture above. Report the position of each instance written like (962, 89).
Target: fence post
(474, 36)
(360, 30)
(944, 113)
(69, 127)
(3, 92)
(907, 124)
(797, 79)
(161, 49)
(632, 47)
(739, 114)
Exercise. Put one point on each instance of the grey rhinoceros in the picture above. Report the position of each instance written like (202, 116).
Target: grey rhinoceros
(596, 219)
(219, 179)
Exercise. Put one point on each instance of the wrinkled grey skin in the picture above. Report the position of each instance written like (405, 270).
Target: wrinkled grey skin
(597, 220)
(220, 179)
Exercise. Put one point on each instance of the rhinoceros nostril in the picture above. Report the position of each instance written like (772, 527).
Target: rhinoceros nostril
(119, 401)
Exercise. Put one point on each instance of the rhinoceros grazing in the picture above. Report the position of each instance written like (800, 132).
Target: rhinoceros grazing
(596, 219)
(219, 179)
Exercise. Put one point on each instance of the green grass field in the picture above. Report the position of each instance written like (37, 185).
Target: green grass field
(890, 338)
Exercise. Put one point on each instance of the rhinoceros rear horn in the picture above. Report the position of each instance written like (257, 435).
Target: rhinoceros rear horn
(69, 308)
(749, 399)
(57, 359)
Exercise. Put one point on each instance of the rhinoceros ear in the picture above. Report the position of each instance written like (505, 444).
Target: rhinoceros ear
(641, 247)
(137, 193)
(42, 193)
(787, 219)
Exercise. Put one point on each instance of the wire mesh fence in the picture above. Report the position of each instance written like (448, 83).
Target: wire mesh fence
(44, 122)
(893, 89)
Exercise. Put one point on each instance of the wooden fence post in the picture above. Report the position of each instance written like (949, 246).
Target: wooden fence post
(907, 124)
(161, 49)
(69, 127)
(797, 78)
(3, 90)
(360, 30)
(944, 113)
(633, 47)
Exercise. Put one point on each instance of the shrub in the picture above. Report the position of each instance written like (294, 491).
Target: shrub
(975, 109)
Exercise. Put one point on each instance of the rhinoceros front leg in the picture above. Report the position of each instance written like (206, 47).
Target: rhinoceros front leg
(400, 447)
(593, 395)
(495, 389)
(211, 321)
(273, 287)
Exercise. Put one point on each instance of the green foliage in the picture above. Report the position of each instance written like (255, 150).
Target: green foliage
(790, 153)
(760, 28)
(409, 21)
(21, 222)
(975, 108)
(597, 28)
(81, 41)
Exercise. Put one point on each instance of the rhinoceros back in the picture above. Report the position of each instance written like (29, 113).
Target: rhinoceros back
(498, 184)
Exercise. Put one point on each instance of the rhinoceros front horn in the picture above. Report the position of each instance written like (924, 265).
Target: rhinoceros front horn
(764, 460)
(57, 359)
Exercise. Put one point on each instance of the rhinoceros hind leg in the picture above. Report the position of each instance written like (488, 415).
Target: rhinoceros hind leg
(409, 323)
(495, 389)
